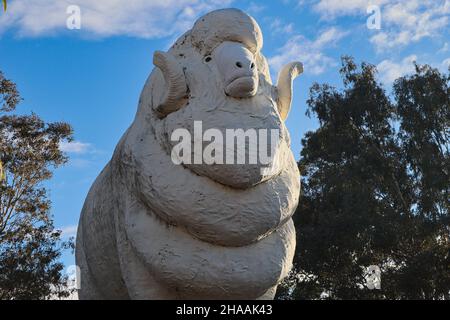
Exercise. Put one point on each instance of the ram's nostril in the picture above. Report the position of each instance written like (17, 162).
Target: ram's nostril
(252, 65)
(238, 64)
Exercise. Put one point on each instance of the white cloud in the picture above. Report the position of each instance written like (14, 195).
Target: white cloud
(75, 147)
(385, 40)
(389, 70)
(445, 47)
(69, 231)
(402, 22)
(329, 9)
(103, 18)
(446, 63)
(329, 37)
(299, 48)
(411, 21)
(278, 26)
(255, 8)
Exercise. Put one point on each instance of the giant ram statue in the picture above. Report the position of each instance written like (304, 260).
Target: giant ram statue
(152, 228)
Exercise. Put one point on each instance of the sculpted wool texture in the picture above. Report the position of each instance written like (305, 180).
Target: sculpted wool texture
(153, 229)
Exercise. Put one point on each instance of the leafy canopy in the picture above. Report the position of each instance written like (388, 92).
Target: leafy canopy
(29, 245)
(375, 188)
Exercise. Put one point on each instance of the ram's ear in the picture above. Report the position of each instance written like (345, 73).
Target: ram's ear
(176, 90)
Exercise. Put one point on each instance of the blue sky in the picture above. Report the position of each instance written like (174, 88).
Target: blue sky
(92, 77)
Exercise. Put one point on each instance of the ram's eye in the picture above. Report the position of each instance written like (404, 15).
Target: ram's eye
(207, 59)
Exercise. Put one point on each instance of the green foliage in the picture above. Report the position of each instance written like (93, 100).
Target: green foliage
(5, 5)
(29, 245)
(375, 188)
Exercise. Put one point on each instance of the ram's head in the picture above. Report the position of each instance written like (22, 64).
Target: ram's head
(216, 73)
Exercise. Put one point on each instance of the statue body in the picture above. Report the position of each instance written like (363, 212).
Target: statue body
(154, 229)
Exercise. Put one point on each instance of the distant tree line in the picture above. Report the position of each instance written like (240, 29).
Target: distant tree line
(375, 189)
(30, 247)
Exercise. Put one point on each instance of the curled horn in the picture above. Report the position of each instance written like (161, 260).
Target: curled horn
(175, 95)
(284, 86)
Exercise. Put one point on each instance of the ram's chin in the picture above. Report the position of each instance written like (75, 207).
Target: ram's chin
(235, 175)
(244, 176)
